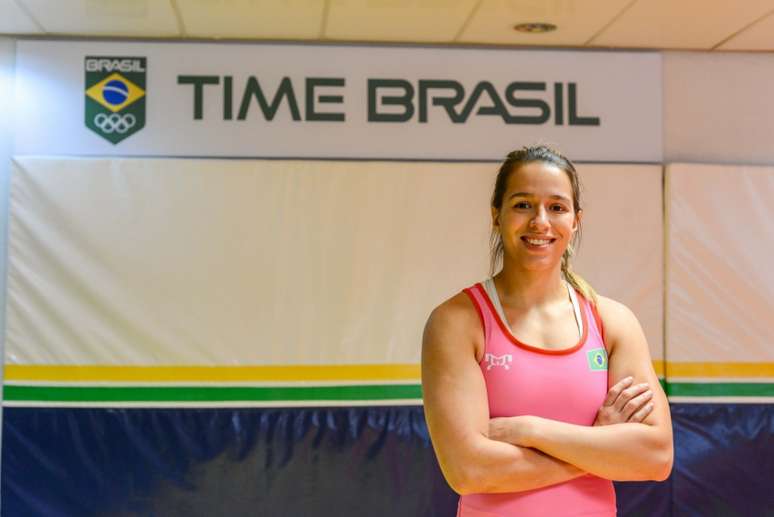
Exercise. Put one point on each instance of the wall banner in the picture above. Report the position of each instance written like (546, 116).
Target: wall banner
(333, 101)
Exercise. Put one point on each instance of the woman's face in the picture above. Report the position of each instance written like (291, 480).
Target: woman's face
(537, 218)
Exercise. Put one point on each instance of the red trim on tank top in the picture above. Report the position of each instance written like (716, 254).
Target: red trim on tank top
(472, 297)
(506, 331)
(480, 312)
(600, 325)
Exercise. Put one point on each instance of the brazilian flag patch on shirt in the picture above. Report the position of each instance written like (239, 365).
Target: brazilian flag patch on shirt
(597, 359)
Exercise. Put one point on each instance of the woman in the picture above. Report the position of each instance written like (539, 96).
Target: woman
(516, 369)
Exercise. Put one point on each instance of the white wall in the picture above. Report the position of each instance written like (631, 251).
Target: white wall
(718, 107)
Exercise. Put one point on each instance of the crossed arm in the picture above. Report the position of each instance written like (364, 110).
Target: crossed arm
(511, 454)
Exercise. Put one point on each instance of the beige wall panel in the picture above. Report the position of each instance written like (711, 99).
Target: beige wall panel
(621, 252)
(237, 262)
(721, 244)
(275, 262)
(718, 107)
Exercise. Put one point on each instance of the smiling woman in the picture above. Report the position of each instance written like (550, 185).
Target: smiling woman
(537, 391)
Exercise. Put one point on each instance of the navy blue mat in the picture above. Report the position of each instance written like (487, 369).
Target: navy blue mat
(327, 461)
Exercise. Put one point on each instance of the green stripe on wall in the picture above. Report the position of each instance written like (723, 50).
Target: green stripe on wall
(720, 389)
(85, 394)
(208, 393)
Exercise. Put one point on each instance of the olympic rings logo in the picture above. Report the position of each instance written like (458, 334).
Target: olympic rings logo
(115, 123)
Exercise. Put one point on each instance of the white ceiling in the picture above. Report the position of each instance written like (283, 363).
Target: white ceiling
(746, 25)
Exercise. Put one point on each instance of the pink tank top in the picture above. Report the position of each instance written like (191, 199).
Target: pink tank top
(567, 385)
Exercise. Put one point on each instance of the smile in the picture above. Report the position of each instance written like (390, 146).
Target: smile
(532, 241)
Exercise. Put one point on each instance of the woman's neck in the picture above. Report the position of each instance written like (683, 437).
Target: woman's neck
(524, 288)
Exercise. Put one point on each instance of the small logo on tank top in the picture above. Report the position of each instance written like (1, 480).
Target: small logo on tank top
(597, 359)
(498, 360)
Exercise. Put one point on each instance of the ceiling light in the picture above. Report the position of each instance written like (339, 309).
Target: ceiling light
(535, 27)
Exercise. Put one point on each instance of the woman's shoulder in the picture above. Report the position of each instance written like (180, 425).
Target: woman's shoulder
(617, 319)
(613, 309)
(454, 318)
(455, 310)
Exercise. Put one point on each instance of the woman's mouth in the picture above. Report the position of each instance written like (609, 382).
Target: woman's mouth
(537, 242)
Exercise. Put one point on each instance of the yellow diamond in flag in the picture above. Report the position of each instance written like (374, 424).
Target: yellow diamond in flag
(115, 92)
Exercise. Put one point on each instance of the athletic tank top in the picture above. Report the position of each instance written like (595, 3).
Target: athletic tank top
(569, 385)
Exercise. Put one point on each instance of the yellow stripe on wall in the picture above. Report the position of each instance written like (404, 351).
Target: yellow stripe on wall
(720, 369)
(359, 372)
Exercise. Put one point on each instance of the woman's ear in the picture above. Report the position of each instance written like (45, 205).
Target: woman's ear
(578, 217)
(495, 217)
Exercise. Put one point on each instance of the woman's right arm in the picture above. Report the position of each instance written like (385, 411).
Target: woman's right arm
(457, 412)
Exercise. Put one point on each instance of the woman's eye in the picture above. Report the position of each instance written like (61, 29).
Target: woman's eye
(558, 208)
(522, 204)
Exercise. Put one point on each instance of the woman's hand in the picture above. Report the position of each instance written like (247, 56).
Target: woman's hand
(625, 403)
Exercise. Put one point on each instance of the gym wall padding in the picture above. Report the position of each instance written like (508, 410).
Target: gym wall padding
(186, 335)
(218, 263)
(621, 250)
(224, 262)
(721, 283)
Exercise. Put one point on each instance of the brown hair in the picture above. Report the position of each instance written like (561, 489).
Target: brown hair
(515, 159)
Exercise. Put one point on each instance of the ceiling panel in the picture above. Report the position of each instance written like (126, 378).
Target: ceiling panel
(15, 21)
(759, 36)
(576, 20)
(397, 20)
(259, 19)
(105, 17)
(687, 24)
(665, 24)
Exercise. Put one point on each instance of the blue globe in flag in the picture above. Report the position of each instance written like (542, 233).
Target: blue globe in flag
(115, 92)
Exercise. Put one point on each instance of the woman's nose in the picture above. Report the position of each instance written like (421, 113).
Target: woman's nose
(540, 219)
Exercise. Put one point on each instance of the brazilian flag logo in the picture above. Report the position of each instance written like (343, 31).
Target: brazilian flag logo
(115, 96)
(597, 358)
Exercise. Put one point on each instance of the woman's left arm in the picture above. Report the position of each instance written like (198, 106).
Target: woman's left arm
(622, 452)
